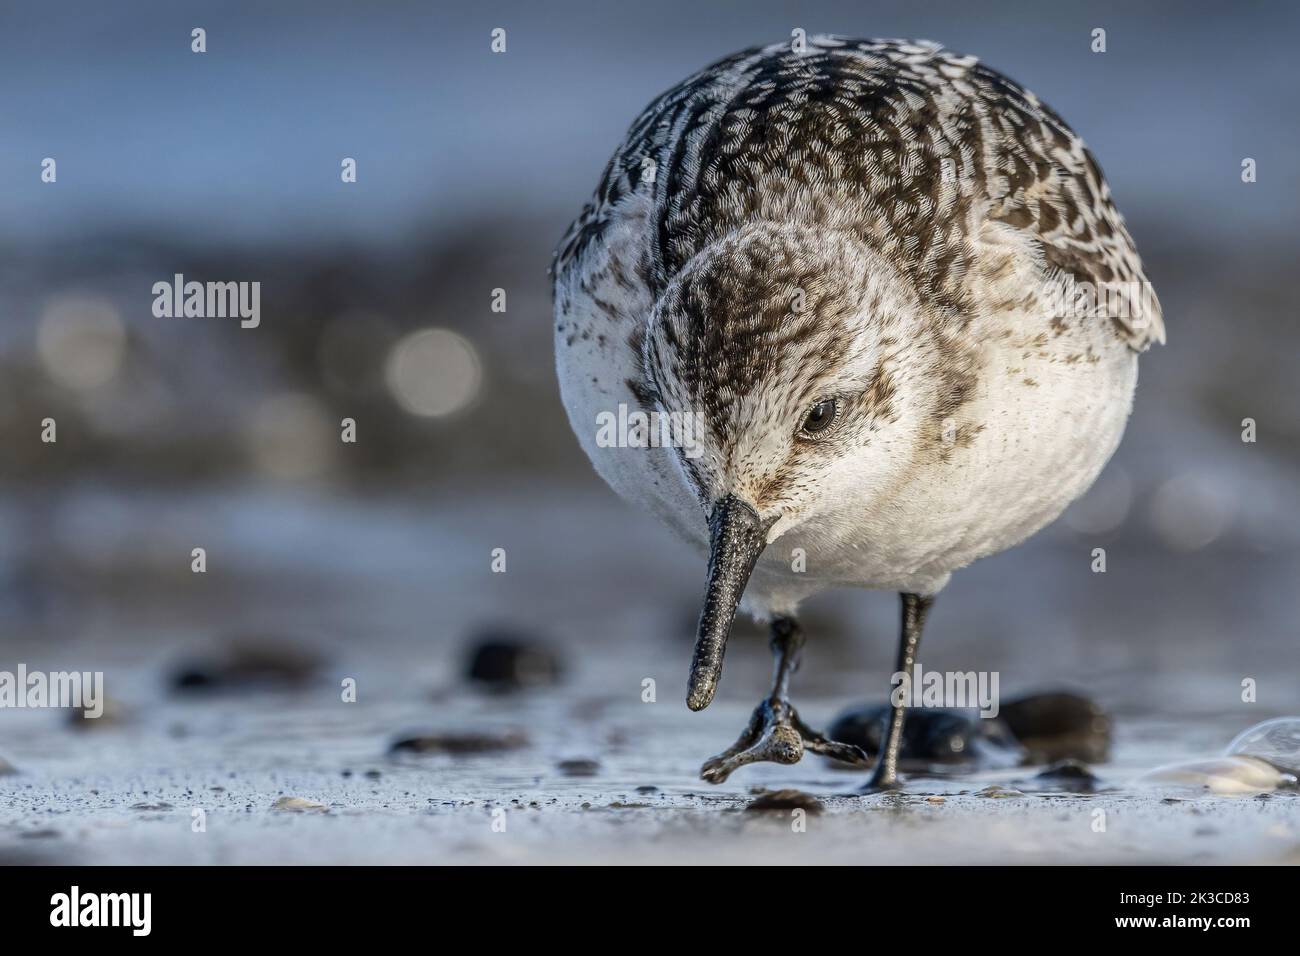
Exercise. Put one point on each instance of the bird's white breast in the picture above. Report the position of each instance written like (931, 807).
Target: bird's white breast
(1051, 417)
(1050, 407)
(598, 321)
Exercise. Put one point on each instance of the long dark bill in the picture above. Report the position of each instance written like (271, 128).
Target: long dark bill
(737, 538)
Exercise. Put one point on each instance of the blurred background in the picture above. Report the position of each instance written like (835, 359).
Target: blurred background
(376, 304)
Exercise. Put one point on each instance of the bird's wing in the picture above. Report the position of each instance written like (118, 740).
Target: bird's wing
(956, 146)
(1037, 176)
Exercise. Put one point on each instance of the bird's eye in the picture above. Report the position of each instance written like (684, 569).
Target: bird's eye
(820, 417)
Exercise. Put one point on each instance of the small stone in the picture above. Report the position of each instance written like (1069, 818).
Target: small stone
(250, 662)
(156, 807)
(113, 713)
(1058, 725)
(6, 767)
(298, 805)
(1072, 775)
(459, 744)
(785, 800)
(996, 792)
(931, 735)
(579, 767)
(647, 788)
(504, 662)
(935, 798)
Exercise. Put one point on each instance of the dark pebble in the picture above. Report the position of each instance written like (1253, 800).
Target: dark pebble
(503, 662)
(579, 767)
(113, 714)
(459, 744)
(647, 789)
(1033, 729)
(1072, 775)
(785, 800)
(1059, 725)
(249, 662)
(46, 834)
(932, 735)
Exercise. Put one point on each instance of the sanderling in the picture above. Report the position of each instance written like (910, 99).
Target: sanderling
(893, 285)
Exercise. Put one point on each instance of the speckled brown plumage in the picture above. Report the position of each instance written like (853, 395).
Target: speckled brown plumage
(904, 144)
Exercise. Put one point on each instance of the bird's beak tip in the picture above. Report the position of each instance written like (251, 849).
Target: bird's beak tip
(738, 536)
(699, 697)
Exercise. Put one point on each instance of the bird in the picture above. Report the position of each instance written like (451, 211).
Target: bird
(892, 288)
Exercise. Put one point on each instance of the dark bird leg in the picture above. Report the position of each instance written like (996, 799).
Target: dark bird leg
(885, 776)
(775, 731)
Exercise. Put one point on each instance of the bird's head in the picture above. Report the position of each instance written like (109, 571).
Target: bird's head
(816, 377)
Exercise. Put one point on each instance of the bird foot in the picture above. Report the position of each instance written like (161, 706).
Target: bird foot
(776, 734)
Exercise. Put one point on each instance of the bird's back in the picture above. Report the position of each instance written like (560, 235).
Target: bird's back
(916, 150)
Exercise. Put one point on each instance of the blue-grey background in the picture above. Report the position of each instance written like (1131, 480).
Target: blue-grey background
(242, 142)
(193, 432)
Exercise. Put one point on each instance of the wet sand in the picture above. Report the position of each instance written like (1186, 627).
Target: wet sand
(128, 794)
(597, 775)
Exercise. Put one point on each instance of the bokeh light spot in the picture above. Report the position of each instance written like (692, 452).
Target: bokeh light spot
(433, 373)
(291, 437)
(81, 341)
(1190, 511)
